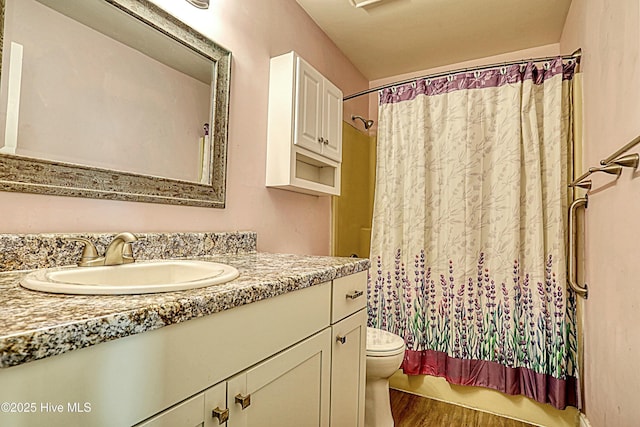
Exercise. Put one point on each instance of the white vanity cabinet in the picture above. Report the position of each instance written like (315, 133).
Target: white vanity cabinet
(289, 389)
(348, 361)
(304, 136)
(190, 413)
(282, 358)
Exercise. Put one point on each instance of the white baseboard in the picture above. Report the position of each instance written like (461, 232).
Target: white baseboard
(584, 422)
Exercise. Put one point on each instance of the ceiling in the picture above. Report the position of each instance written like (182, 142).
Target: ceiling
(393, 37)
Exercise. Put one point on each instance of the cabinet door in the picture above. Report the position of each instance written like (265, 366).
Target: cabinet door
(308, 117)
(348, 365)
(332, 122)
(291, 389)
(185, 414)
(216, 409)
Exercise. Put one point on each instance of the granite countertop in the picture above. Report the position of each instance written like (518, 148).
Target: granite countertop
(35, 325)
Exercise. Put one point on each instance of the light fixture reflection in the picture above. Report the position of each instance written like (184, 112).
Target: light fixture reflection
(202, 4)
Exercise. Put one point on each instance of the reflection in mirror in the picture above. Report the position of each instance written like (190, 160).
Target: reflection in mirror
(116, 90)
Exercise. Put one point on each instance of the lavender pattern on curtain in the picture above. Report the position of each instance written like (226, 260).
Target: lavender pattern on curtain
(469, 229)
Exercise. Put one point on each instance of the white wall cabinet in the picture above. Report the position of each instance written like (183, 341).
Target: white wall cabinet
(318, 110)
(304, 136)
(283, 353)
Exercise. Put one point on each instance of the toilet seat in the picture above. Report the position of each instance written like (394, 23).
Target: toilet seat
(382, 343)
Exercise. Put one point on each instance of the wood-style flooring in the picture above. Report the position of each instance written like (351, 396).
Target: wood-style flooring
(415, 411)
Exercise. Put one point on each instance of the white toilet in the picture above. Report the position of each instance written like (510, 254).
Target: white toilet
(385, 352)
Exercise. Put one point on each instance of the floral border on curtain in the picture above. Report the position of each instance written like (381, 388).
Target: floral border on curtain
(497, 315)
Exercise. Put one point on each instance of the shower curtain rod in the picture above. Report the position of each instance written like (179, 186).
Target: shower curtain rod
(575, 55)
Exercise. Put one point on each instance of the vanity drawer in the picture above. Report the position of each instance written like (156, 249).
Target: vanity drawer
(349, 295)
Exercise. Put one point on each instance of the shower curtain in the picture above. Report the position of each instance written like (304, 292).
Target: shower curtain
(469, 229)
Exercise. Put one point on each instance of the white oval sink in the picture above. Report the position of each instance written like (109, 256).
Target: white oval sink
(135, 278)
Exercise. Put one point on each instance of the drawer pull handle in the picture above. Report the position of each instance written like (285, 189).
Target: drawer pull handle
(221, 414)
(341, 339)
(354, 294)
(244, 401)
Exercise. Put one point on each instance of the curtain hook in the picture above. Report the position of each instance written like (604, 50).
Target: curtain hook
(394, 89)
(428, 82)
(503, 70)
(450, 78)
(476, 74)
(547, 66)
(414, 84)
(523, 67)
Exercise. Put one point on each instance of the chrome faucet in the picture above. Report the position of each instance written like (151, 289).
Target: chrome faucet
(118, 252)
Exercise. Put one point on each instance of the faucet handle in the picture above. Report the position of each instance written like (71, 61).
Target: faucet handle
(127, 249)
(89, 252)
(127, 253)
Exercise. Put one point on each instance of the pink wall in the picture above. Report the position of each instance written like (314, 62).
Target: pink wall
(608, 32)
(254, 30)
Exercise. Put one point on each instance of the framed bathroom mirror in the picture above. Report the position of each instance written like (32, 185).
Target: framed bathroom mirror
(111, 99)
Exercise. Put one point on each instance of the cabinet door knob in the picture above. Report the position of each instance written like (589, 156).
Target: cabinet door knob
(354, 294)
(326, 141)
(341, 339)
(244, 401)
(221, 414)
(321, 140)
